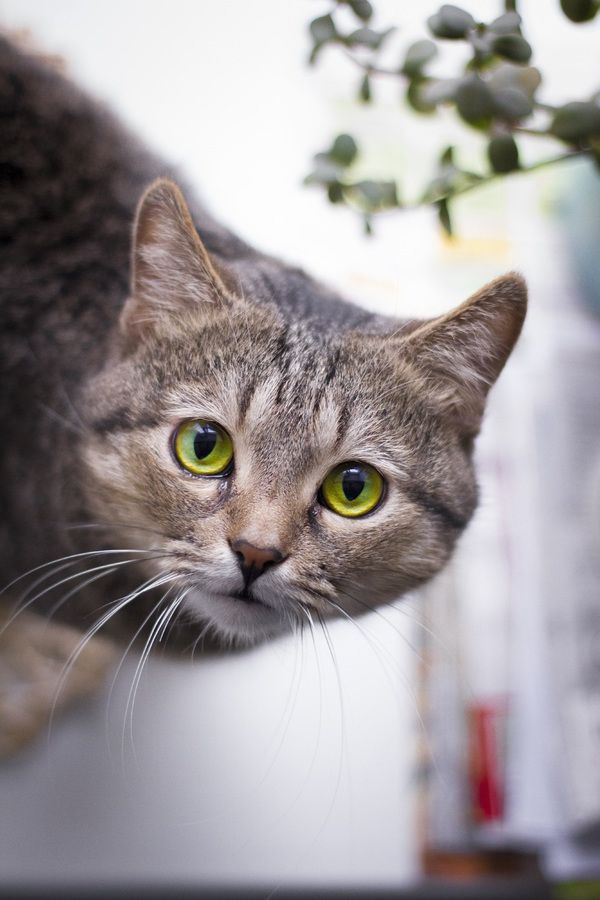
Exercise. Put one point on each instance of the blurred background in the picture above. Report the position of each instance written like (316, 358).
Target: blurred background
(455, 734)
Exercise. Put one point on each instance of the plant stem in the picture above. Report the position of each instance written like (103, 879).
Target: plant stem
(486, 179)
(371, 69)
(541, 164)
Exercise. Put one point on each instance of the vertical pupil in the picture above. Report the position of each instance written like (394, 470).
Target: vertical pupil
(353, 482)
(205, 441)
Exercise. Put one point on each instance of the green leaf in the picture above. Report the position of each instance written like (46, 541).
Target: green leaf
(343, 150)
(417, 56)
(474, 101)
(364, 92)
(576, 121)
(335, 192)
(440, 90)
(512, 104)
(416, 99)
(447, 157)
(326, 171)
(362, 9)
(374, 196)
(323, 29)
(507, 23)
(444, 216)
(503, 154)
(451, 22)
(512, 47)
(579, 10)
(367, 37)
(525, 79)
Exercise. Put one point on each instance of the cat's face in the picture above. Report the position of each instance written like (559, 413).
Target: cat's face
(283, 472)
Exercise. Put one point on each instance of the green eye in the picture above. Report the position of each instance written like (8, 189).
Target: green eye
(352, 489)
(203, 448)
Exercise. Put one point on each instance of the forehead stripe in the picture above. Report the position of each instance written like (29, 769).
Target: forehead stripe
(124, 419)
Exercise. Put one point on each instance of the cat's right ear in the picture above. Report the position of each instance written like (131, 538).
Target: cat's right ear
(171, 270)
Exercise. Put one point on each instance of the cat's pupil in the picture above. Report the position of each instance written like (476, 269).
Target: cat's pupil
(353, 482)
(204, 441)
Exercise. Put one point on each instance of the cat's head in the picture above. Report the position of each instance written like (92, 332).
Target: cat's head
(283, 469)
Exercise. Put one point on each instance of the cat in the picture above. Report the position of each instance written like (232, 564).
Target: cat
(196, 432)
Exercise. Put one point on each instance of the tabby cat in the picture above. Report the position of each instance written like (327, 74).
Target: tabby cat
(195, 432)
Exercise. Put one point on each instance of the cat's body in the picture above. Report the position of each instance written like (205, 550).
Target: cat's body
(94, 390)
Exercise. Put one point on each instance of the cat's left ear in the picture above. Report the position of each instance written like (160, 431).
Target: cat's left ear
(460, 355)
(171, 270)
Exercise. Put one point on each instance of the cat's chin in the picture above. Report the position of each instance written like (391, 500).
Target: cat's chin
(235, 620)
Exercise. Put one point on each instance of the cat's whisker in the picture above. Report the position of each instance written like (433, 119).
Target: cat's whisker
(52, 414)
(342, 755)
(110, 526)
(394, 627)
(375, 646)
(165, 634)
(104, 568)
(280, 732)
(155, 633)
(82, 425)
(79, 587)
(131, 643)
(403, 677)
(117, 606)
(61, 559)
(372, 609)
(306, 611)
(405, 610)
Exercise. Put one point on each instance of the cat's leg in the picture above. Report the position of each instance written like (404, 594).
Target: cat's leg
(42, 672)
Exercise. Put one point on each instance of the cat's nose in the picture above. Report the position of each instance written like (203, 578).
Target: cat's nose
(254, 560)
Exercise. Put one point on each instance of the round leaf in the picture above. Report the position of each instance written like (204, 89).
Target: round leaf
(362, 9)
(343, 150)
(335, 192)
(512, 47)
(474, 100)
(451, 22)
(374, 195)
(526, 79)
(511, 104)
(579, 10)
(417, 56)
(507, 23)
(367, 37)
(416, 97)
(503, 154)
(326, 171)
(323, 29)
(576, 121)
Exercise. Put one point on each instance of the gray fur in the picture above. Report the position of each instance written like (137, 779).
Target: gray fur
(95, 383)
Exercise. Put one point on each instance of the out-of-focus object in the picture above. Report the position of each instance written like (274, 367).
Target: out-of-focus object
(580, 212)
(516, 616)
(39, 673)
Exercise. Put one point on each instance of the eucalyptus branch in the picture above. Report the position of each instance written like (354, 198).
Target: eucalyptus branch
(495, 93)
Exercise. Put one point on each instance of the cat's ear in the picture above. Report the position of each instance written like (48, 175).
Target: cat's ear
(462, 353)
(171, 270)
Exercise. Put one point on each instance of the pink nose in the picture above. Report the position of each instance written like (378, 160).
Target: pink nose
(254, 560)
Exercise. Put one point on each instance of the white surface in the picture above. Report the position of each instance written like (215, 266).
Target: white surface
(249, 768)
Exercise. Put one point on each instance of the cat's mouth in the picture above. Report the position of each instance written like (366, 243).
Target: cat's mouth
(237, 615)
(245, 596)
